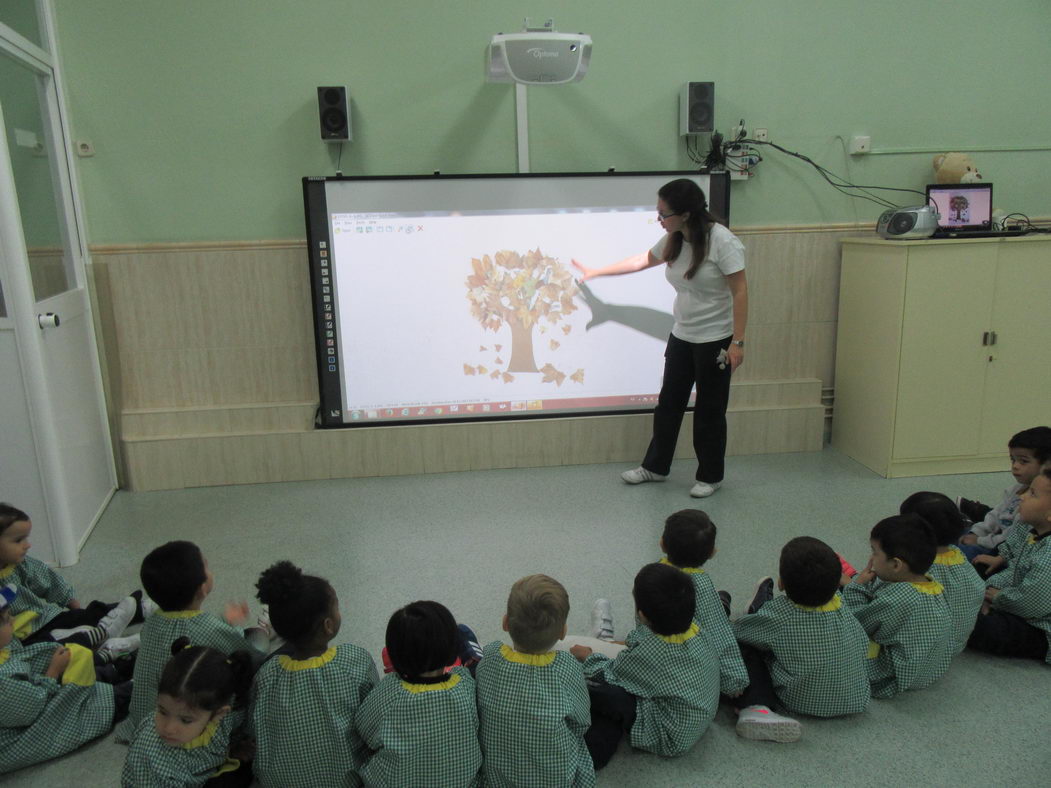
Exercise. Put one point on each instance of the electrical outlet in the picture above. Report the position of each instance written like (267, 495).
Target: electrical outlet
(860, 145)
(738, 132)
(84, 148)
(761, 135)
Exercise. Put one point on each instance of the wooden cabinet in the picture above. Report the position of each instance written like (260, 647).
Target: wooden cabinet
(943, 351)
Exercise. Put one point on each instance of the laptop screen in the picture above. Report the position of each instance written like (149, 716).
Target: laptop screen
(963, 206)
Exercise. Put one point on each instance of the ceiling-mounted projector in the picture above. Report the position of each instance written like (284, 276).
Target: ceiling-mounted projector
(538, 56)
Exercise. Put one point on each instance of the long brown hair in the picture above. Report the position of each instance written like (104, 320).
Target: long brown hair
(685, 196)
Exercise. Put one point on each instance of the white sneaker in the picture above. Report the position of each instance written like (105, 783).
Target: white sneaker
(116, 620)
(640, 475)
(703, 489)
(758, 723)
(148, 606)
(118, 647)
(602, 620)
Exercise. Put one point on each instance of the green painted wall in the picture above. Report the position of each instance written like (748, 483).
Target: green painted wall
(204, 118)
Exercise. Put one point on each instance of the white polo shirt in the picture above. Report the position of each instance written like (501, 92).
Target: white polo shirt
(703, 308)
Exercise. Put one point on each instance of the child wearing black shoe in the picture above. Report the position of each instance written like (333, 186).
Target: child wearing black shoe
(1016, 618)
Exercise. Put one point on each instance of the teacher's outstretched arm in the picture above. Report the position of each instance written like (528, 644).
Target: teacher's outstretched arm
(629, 265)
(739, 292)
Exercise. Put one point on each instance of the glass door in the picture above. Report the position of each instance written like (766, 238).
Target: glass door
(47, 325)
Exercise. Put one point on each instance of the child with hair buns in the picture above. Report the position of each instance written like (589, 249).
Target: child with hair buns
(305, 699)
(186, 743)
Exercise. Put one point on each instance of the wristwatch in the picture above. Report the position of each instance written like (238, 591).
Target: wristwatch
(738, 342)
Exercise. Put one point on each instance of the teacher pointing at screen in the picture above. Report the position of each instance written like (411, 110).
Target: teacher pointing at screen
(704, 262)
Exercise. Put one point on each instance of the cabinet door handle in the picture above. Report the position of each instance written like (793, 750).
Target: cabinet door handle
(992, 337)
(985, 339)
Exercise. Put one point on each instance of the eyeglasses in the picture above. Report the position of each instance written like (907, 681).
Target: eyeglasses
(668, 215)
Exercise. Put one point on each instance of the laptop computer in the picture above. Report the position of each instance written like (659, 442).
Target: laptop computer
(966, 211)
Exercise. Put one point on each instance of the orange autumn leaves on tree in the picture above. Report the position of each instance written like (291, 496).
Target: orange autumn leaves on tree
(521, 291)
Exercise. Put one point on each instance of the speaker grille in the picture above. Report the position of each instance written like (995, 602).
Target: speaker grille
(902, 223)
(697, 107)
(333, 113)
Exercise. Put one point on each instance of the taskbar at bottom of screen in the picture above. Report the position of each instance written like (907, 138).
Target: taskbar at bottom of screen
(454, 410)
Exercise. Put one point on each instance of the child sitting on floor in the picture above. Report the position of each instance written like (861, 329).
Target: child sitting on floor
(663, 688)
(1028, 450)
(902, 609)
(688, 542)
(46, 610)
(803, 649)
(532, 700)
(186, 742)
(1016, 618)
(421, 722)
(305, 699)
(964, 589)
(176, 576)
(50, 703)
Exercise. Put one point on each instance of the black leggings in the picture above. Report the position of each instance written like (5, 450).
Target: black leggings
(1008, 635)
(612, 714)
(686, 364)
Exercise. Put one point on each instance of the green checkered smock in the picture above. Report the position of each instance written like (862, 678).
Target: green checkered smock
(421, 734)
(710, 615)
(302, 717)
(40, 718)
(1025, 583)
(817, 655)
(911, 625)
(41, 590)
(675, 681)
(151, 763)
(964, 593)
(534, 711)
(158, 633)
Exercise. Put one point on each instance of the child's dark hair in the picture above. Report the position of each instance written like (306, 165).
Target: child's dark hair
(204, 678)
(689, 538)
(422, 637)
(172, 573)
(9, 515)
(1036, 439)
(665, 596)
(298, 602)
(909, 538)
(939, 512)
(810, 571)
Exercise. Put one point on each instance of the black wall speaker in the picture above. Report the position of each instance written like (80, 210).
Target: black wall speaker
(333, 113)
(697, 108)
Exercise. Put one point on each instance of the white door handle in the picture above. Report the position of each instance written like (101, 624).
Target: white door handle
(47, 320)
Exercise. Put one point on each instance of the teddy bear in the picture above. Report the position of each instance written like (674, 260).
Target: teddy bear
(955, 168)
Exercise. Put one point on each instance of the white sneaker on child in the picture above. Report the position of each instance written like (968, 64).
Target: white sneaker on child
(758, 723)
(602, 620)
(114, 648)
(640, 475)
(116, 620)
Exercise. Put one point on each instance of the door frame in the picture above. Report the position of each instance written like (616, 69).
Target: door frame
(19, 294)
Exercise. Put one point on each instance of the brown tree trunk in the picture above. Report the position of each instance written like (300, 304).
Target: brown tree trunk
(521, 349)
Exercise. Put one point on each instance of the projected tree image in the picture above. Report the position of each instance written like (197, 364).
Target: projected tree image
(526, 292)
(959, 205)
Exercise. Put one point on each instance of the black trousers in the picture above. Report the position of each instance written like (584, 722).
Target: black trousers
(760, 689)
(612, 714)
(69, 619)
(1008, 635)
(687, 364)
